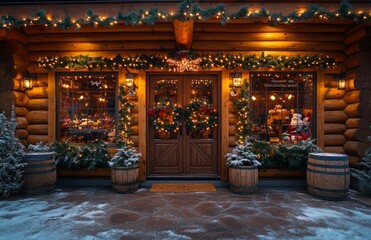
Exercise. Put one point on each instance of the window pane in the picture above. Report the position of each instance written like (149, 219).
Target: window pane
(282, 106)
(87, 107)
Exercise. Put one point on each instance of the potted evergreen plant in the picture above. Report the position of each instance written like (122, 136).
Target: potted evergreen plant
(125, 169)
(243, 169)
(40, 173)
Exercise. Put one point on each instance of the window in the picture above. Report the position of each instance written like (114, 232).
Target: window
(86, 107)
(282, 106)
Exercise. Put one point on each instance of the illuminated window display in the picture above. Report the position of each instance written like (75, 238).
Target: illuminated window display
(282, 106)
(86, 107)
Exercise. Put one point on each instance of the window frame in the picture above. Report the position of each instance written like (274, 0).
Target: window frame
(57, 92)
(315, 109)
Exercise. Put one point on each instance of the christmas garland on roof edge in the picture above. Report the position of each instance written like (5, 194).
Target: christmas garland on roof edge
(187, 10)
(215, 60)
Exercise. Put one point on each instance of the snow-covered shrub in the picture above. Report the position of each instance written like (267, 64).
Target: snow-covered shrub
(363, 174)
(87, 156)
(39, 147)
(242, 155)
(291, 156)
(126, 156)
(11, 155)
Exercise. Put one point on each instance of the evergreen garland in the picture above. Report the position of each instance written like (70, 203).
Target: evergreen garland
(243, 114)
(187, 10)
(125, 115)
(11, 156)
(215, 60)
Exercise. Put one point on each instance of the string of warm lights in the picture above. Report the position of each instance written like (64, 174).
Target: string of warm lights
(166, 117)
(215, 60)
(125, 115)
(200, 115)
(243, 113)
(187, 10)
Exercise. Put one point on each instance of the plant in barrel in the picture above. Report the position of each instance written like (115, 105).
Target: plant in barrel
(243, 169)
(125, 169)
(166, 117)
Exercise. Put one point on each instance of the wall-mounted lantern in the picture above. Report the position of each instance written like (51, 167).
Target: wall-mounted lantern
(28, 80)
(236, 79)
(129, 80)
(341, 78)
(236, 82)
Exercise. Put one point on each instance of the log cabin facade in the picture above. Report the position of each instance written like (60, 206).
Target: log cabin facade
(338, 118)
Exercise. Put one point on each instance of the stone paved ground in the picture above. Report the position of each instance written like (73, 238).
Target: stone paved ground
(98, 213)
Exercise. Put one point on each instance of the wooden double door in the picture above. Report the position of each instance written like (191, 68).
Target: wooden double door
(183, 153)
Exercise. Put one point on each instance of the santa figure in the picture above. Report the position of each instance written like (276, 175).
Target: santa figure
(298, 127)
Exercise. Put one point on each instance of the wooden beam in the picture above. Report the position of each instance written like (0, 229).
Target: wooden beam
(158, 27)
(224, 123)
(268, 36)
(268, 46)
(142, 123)
(13, 34)
(320, 108)
(204, 46)
(105, 46)
(183, 32)
(261, 27)
(52, 108)
(101, 37)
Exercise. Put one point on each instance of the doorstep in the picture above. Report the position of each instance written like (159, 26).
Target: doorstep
(106, 182)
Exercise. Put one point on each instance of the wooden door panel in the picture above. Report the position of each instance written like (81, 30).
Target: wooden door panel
(202, 158)
(166, 158)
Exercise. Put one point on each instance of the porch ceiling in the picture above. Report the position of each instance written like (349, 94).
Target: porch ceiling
(234, 37)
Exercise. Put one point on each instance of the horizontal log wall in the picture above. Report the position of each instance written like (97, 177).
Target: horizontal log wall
(357, 96)
(13, 60)
(334, 116)
(37, 107)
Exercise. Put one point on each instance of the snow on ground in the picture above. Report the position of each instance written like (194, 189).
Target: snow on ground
(94, 214)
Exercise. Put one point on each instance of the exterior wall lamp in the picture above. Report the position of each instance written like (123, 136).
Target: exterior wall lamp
(236, 82)
(27, 80)
(129, 82)
(341, 80)
(236, 79)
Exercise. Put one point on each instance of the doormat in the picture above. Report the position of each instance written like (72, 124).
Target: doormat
(183, 187)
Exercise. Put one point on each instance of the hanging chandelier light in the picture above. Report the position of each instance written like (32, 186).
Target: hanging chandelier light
(184, 62)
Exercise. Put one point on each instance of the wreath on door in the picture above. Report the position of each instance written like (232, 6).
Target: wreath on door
(165, 116)
(200, 115)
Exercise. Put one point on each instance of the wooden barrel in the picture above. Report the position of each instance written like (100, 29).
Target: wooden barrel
(124, 179)
(39, 175)
(243, 179)
(328, 175)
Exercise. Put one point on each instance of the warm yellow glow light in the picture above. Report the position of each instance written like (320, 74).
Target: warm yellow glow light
(129, 81)
(341, 84)
(253, 98)
(273, 97)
